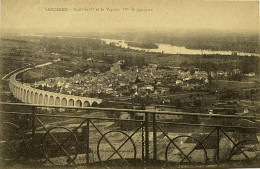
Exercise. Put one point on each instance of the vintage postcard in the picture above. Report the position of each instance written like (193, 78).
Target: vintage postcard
(129, 83)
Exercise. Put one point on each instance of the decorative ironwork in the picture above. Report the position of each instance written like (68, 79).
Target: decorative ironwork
(249, 149)
(181, 147)
(116, 150)
(69, 144)
(12, 141)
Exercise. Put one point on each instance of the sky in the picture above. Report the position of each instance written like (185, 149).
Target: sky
(34, 15)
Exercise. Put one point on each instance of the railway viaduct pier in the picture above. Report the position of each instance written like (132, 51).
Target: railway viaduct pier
(27, 94)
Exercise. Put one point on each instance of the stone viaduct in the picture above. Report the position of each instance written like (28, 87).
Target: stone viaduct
(27, 94)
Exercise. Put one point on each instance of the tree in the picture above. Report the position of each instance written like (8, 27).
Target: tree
(192, 71)
(45, 88)
(197, 103)
(236, 77)
(174, 89)
(178, 103)
(209, 78)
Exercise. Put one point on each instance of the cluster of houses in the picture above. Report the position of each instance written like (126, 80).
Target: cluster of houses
(125, 83)
(227, 74)
(134, 81)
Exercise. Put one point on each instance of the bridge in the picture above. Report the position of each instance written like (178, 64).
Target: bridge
(27, 94)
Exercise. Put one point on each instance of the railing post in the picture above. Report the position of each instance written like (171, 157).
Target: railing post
(87, 140)
(32, 145)
(142, 129)
(146, 137)
(218, 140)
(33, 125)
(154, 138)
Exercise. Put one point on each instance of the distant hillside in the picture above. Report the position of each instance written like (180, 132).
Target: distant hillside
(197, 39)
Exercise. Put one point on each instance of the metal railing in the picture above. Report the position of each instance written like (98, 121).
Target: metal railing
(148, 140)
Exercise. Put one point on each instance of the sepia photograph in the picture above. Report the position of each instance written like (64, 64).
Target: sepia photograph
(129, 84)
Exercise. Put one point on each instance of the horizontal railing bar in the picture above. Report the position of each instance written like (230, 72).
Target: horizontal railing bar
(202, 125)
(224, 108)
(116, 119)
(136, 111)
(76, 117)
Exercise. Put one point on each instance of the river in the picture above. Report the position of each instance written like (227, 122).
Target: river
(169, 49)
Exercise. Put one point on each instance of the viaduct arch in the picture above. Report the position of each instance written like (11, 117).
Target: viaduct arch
(30, 95)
